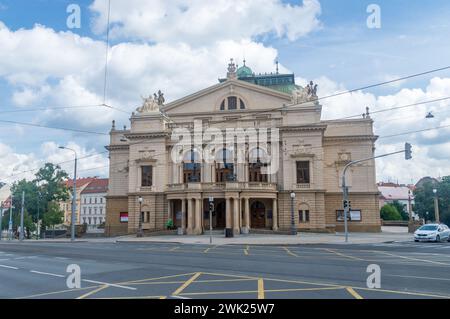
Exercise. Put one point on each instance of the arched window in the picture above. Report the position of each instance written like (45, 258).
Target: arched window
(232, 103)
(224, 166)
(257, 159)
(191, 167)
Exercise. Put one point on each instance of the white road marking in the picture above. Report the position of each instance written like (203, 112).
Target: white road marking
(46, 273)
(62, 258)
(108, 284)
(179, 297)
(25, 257)
(9, 267)
(418, 277)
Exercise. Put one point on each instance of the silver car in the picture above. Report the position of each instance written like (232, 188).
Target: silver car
(432, 232)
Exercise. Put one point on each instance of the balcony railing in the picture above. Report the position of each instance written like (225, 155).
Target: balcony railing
(223, 186)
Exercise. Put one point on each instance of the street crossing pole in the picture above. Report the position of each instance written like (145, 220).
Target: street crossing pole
(211, 208)
(1, 219)
(408, 156)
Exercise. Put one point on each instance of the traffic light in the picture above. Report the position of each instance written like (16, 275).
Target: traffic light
(408, 151)
(346, 203)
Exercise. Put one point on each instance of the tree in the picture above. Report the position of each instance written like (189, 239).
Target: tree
(424, 200)
(401, 209)
(41, 194)
(390, 212)
(53, 216)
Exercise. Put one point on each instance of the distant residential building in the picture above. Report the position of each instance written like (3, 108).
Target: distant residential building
(93, 203)
(66, 206)
(391, 192)
(5, 192)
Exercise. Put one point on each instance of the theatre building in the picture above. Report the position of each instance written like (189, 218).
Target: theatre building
(294, 164)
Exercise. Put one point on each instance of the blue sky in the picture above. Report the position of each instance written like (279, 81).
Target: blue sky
(337, 50)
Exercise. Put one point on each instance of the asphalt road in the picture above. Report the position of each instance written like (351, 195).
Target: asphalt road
(153, 270)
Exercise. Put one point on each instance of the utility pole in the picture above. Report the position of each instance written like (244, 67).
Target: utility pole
(10, 219)
(1, 219)
(38, 205)
(74, 195)
(21, 216)
(408, 156)
(411, 221)
(436, 206)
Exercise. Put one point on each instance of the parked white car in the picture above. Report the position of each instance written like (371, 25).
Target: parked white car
(432, 232)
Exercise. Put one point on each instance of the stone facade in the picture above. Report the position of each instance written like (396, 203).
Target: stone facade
(307, 158)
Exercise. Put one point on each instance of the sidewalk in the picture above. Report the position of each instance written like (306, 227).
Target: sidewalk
(301, 238)
(388, 234)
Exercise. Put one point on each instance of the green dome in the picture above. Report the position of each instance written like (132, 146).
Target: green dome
(244, 72)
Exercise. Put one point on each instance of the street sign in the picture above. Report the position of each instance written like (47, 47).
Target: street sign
(211, 199)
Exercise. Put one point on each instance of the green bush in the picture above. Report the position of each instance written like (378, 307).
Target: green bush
(169, 224)
(390, 212)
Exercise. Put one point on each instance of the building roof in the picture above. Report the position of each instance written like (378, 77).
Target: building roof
(80, 181)
(98, 185)
(284, 83)
(395, 192)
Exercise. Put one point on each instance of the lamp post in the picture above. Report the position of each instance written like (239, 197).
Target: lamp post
(436, 206)
(426, 219)
(411, 221)
(140, 233)
(38, 206)
(293, 229)
(74, 194)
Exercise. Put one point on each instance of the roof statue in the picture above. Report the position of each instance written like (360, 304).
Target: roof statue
(311, 89)
(231, 70)
(308, 94)
(152, 104)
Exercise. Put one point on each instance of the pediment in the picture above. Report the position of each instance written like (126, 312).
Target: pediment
(209, 100)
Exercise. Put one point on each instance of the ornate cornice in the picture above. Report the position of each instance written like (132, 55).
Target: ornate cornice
(147, 135)
(302, 128)
(117, 147)
(355, 138)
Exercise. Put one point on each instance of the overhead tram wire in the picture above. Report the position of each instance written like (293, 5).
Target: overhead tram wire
(347, 117)
(321, 98)
(342, 93)
(52, 127)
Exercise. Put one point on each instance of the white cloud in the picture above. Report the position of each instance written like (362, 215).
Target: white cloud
(203, 22)
(431, 149)
(16, 166)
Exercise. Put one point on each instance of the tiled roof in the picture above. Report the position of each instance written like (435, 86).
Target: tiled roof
(80, 182)
(394, 192)
(98, 185)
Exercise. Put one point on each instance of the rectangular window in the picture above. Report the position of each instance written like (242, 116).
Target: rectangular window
(303, 172)
(147, 176)
(303, 216)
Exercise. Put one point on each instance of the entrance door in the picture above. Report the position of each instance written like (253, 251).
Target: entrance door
(258, 215)
(220, 216)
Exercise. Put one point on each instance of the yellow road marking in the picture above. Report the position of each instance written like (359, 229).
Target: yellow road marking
(255, 291)
(341, 254)
(210, 248)
(414, 259)
(290, 252)
(155, 278)
(174, 248)
(405, 293)
(56, 292)
(93, 292)
(353, 293)
(246, 250)
(228, 275)
(186, 284)
(260, 288)
(135, 297)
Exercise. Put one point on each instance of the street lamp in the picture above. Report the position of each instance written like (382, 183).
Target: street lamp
(293, 229)
(140, 233)
(38, 206)
(426, 219)
(74, 196)
(436, 206)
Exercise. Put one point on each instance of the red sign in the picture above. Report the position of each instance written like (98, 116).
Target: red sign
(124, 217)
